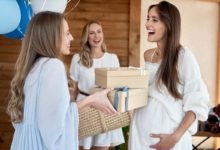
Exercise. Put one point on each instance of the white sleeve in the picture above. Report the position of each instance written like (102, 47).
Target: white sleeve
(54, 110)
(74, 68)
(195, 93)
(115, 61)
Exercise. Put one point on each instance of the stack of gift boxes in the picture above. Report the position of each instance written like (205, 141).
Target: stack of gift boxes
(130, 92)
(130, 86)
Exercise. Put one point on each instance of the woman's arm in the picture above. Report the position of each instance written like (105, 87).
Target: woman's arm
(187, 121)
(73, 89)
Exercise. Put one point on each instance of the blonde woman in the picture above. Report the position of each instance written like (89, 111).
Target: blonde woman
(43, 116)
(93, 55)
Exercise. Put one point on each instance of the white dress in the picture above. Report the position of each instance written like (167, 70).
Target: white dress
(50, 120)
(86, 80)
(163, 113)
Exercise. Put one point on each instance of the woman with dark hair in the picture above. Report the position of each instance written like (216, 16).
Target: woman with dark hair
(42, 114)
(178, 97)
(93, 54)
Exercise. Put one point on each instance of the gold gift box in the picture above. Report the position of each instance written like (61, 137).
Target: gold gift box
(126, 99)
(120, 77)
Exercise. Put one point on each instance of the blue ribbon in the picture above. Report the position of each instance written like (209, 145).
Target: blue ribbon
(117, 90)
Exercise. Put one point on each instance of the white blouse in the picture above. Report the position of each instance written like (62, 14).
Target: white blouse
(163, 113)
(50, 120)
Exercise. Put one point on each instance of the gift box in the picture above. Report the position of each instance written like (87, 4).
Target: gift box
(92, 122)
(124, 99)
(120, 77)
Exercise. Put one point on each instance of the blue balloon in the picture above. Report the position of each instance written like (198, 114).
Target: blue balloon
(26, 14)
(10, 15)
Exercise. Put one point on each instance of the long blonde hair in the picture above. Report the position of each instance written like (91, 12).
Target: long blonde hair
(42, 39)
(85, 50)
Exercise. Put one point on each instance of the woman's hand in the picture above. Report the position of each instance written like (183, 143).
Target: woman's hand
(167, 141)
(73, 94)
(100, 101)
(73, 89)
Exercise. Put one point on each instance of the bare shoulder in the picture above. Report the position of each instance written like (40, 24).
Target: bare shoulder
(148, 54)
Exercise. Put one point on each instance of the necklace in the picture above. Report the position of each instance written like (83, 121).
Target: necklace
(98, 55)
(157, 52)
(156, 55)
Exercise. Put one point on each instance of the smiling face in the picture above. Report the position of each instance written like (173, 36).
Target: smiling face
(95, 36)
(155, 27)
(66, 39)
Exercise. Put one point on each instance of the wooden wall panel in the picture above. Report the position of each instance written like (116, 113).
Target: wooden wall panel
(9, 50)
(134, 33)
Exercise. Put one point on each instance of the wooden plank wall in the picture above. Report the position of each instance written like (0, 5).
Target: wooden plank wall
(115, 17)
(9, 50)
(134, 33)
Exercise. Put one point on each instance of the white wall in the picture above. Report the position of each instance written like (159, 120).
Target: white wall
(199, 33)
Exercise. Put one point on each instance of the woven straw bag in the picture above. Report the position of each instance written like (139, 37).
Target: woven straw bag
(92, 122)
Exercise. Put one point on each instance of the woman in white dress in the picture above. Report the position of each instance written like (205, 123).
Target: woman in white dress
(82, 70)
(178, 97)
(43, 116)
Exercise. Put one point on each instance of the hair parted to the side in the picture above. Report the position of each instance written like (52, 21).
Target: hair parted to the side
(43, 38)
(85, 49)
(168, 70)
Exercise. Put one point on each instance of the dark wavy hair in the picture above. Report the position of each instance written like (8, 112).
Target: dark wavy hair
(168, 72)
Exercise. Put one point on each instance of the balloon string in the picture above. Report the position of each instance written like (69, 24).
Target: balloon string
(43, 5)
(68, 1)
(72, 7)
(29, 2)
